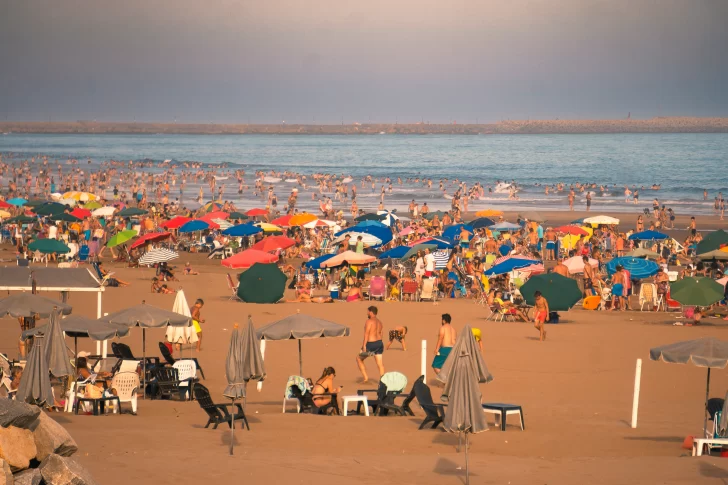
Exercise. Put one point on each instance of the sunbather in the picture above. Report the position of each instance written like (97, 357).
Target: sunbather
(158, 288)
(325, 385)
(306, 298)
(111, 281)
(188, 270)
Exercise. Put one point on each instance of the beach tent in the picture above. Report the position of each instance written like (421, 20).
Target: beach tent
(248, 258)
(262, 283)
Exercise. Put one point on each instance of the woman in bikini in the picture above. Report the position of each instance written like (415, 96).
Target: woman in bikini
(325, 385)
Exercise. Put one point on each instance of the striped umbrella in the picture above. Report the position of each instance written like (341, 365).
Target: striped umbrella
(158, 255)
(638, 268)
(222, 223)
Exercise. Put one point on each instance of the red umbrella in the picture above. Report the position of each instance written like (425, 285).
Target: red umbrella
(4, 205)
(175, 222)
(282, 221)
(274, 243)
(150, 237)
(81, 213)
(256, 212)
(573, 230)
(216, 215)
(248, 258)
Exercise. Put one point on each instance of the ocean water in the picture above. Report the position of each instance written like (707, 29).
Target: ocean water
(683, 164)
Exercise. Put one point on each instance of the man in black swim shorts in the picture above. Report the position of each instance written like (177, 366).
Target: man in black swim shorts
(372, 345)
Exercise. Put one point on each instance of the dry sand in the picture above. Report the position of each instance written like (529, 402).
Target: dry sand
(575, 389)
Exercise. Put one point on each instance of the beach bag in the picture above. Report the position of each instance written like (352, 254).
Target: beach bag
(553, 318)
(92, 391)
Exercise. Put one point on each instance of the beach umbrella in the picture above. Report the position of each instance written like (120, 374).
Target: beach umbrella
(50, 208)
(316, 262)
(64, 217)
(648, 236)
(216, 215)
(175, 222)
(437, 241)
(572, 230)
(717, 254)
(482, 222)
(29, 304)
(302, 219)
(17, 201)
(158, 255)
(242, 230)
(235, 388)
(269, 228)
(238, 215)
(220, 224)
(348, 257)
(409, 229)
(368, 217)
(388, 218)
(367, 239)
(578, 221)
(643, 253)
(282, 221)
(93, 204)
(373, 228)
(394, 253)
(509, 265)
(560, 292)
(68, 202)
(698, 291)
(81, 213)
(20, 219)
(299, 327)
(131, 212)
(49, 246)
(463, 371)
(248, 258)
(319, 223)
(638, 268)
(431, 215)
(703, 352)
(262, 283)
(576, 264)
(488, 213)
(184, 334)
(150, 237)
(274, 243)
(418, 247)
(82, 196)
(376, 224)
(569, 241)
(4, 213)
(505, 227)
(532, 216)
(104, 212)
(35, 383)
(599, 220)
(256, 212)
(711, 242)
(4, 205)
(36, 202)
(453, 231)
(120, 237)
(54, 348)
(212, 206)
(194, 225)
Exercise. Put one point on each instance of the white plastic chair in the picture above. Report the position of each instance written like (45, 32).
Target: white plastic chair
(648, 296)
(287, 396)
(187, 371)
(428, 290)
(126, 385)
(78, 389)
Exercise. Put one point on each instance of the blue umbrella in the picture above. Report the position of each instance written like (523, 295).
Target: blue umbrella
(482, 222)
(195, 225)
(394, 253)
(316, 263)
(383, 233)
(648, 236)
(505, 249)
(17, 201)
(638, 268)
(509, 265)
(578, 221)
(505, 226)
(372, 224)
(440, 242)
(241, 230)
(388, 218)
(453, 232)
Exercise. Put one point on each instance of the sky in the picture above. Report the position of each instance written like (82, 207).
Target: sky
(334, 61)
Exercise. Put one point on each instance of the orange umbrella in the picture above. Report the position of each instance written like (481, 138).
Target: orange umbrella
(489, 213)
(248, 258)
(573, 230)
(274, 243)
(256, 212)
(301, 219)
(348, 257)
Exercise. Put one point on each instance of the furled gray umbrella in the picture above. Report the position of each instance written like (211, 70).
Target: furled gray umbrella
(300, 326)
(703, 352)
(54, 350)
(465, 369)
(29, 304)
(35, 384)
(146, 316)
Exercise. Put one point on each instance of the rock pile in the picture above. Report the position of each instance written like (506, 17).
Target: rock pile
(35, 449)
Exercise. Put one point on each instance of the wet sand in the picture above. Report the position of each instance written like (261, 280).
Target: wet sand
(575, 389)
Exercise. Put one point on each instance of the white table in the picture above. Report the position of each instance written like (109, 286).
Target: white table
(347, 399)
(699, 444)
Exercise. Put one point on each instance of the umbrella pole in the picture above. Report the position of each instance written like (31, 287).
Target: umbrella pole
(705, 411)
(467, 464)
(300, 359)
(144, 360)
(232, 426)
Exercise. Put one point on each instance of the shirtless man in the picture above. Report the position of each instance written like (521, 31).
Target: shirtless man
(550, 238)
(541, 314)
(373, 345)
(588, 277)
(618, 289)
(561, 269)
(445, 340)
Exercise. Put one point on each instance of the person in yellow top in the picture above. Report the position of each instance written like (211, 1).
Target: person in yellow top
(478, 337)
(507, 306)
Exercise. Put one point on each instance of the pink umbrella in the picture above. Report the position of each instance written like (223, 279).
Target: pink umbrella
(348, 257)
(248, 258)
(408, 230)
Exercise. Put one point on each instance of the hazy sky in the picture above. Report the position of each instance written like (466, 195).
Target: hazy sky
(381, 60)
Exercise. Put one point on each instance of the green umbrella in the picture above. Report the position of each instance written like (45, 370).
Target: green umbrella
(431, 215)
(65, 217)
(696, 291)
(48, 246)
(91, 205)
(643, 253)
(262, 283)
(121, 238)
(418, 247)
(49, 209)
(560, 292)
(131, 211)
(36, 202)
(237, 215)
(712, 241)
(22, 218)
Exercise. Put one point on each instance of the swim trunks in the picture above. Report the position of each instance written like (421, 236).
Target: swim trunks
(441, 357)
(541, 316)
(395, 335)
(617, 289)
(550, 245)
(375, 348)
(196, 324)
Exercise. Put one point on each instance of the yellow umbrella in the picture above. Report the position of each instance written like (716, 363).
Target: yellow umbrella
(4, 213)
(268, 227)
(301, 219)
(724, 248)
(489, 213)
(569, 241)
(83, 196)
(590, 230)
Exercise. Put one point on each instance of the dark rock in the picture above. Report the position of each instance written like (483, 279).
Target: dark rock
(28, 477)
(17, 447)
(57, 470)
(18, 414)
(50, 437)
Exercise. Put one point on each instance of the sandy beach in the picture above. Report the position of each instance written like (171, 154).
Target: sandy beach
(575, 389)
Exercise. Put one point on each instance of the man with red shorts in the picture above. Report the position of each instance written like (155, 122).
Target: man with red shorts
(541, 309)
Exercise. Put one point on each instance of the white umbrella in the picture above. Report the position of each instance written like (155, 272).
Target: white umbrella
(388, 218)
(223, 223)
(368, 239)
(611, 221)
(319, 223)
(576, 264)
(103, 211)
(158, 255)
(181, 335)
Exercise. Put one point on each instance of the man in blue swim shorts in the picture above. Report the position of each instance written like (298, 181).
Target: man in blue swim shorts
(445, 340)
(373, 344)
(618, 289)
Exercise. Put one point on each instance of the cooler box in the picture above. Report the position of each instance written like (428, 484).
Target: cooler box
(334, 292)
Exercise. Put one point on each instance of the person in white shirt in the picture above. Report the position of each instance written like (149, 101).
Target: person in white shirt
(429, 263)
(52, 231)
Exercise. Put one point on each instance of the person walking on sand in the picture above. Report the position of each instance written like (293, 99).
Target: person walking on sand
(445, 340)
(541, 314)
(372, 345)
(197, 321)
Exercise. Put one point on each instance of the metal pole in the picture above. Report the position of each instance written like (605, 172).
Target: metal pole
(705, 411)
(467, 463)
(144, 362)
(300, 359)
(423, 361)
(262, 354)
(232, 426)
(636, 397)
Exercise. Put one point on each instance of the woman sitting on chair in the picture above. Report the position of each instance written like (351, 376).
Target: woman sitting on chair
(325, 385)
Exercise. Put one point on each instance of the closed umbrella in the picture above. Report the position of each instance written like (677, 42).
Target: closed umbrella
(262, 283)
(698, 291)
(158, 255)
(234, 372)
(184, 334)
(703, 352)
(300, 326)
(560, 292)
(28, 305)
(35, 384)
(54, 350)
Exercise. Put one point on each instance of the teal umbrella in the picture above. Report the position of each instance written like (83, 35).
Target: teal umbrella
(262, 283)
(560, 292)
(418, 247)
(131, 211)
(50, 208)
(49, 246)
(65, 217)
(22, 219)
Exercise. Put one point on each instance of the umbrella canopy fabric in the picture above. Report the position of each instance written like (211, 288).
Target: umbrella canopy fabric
(638, 268)
(104, 211)
(319, 223)
(194, 225)
(439, 214)
(711, 242)
(80, 212)
(28, 304)
(648, 236)
(76, 326)
(242, 230)
(273, 243)
(453, 232)
(146, 316)
(394, 253)
(175, 222)
(643, 253)
(437, 241)
(302, 219)
(717, 254)
(269, 228)
(482, 222)
(316, 262)
(387, 218)
(262, 283)
(186, 334)
(465, 341)
(572, 230)
(367, 239)
(576, 264)
(606, 220)
(21, 218)
(702, 352)
(509, 265)
(699, 291)
(17, 201)
(248, 258)
(150, 237)
(4, 205)
(376, 229)
(76, 195)
(131, 212)
(244, 361)
(94, 204)
(369, 223)
(235, 215)
(560, 292)
(409, 229)
(49, 209)
(418, 247)
(505, 227)
(301, 326)
(368, 217)
(348, 257)
(49, 246)
(121, 238)
(54, 348)
(64, 217)
(218, 214)
(158, 255)
(256, 212)
(488, 213)
(282, 221)
(35, 384)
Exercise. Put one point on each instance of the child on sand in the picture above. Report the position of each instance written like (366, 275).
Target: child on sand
(197, 321)
(398, 334)
(188, 270)
(542, 314)
(157, 288)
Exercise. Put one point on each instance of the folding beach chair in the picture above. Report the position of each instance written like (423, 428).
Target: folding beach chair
(377, 287)
(428, 290)
(233, 288)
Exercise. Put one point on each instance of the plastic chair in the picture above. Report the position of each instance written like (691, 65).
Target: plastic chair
(187, 372)
(127, 386)
(428, 290)
(288, 395)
